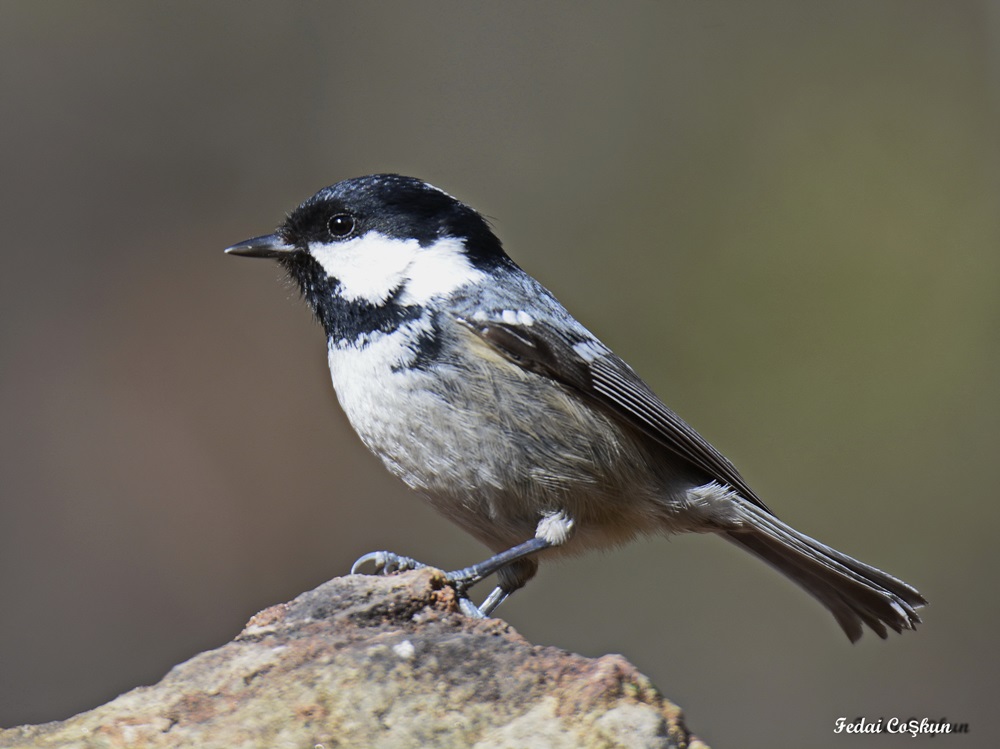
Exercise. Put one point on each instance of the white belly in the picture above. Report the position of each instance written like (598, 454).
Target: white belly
(494, 448)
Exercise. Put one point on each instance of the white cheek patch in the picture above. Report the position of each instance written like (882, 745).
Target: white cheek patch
(370, 267)
(439, 269)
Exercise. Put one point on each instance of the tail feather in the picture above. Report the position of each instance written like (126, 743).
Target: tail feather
(855, 593)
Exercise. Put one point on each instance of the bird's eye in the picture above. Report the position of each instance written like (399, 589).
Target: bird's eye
(340, 226)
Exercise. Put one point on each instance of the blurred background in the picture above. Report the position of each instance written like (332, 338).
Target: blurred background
(784, 215)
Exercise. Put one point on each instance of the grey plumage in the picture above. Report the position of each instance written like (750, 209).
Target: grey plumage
(482, 393)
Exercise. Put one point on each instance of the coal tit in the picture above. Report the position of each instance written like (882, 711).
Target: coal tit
(483, 394)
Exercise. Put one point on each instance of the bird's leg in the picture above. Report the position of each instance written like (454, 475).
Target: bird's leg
(510, 578)
(514, 566)
(508, 565)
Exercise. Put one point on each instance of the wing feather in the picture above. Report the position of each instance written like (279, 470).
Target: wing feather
(590, 369)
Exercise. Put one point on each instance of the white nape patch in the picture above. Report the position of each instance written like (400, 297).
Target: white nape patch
(404, 650)
(555, 528)
(437, 270)
(370, 267)
(589, 350)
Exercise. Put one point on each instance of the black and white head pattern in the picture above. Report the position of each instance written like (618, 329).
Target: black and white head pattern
(375, 250)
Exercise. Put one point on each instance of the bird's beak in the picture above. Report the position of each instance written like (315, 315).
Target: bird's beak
(269, 245)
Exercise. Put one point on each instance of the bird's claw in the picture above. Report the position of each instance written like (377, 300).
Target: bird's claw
(386, 562)
(461, 580)
(467, 607)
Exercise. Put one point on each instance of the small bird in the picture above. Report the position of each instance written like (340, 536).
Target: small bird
(476, 387)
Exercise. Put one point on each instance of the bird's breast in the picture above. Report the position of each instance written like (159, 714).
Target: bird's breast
(488, 444)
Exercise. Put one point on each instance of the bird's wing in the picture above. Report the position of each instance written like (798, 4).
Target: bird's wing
(591, 370)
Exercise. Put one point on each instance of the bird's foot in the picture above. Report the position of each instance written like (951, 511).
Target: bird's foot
(387, 562)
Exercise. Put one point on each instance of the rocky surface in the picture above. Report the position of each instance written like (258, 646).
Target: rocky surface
(379, 662)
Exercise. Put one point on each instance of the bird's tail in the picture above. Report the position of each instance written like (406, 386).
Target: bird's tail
(854, 592)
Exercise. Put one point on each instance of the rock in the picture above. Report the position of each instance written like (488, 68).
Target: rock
(379, 662)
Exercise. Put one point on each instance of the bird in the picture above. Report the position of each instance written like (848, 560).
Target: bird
(483, 394)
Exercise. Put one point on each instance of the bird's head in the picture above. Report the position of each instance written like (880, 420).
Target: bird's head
(378, 243)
